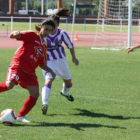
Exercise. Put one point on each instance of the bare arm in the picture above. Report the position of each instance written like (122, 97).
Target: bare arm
(74, 59)
(132, 48)
(70, 46)
(15, 34)
(46, 68)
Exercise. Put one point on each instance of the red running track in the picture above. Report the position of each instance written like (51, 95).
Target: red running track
(84, 40)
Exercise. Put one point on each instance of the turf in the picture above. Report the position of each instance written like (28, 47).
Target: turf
(67, 27)
(92, 27)
(106, 107)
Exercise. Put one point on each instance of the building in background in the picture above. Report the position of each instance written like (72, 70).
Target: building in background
(11, 5)
(83, 7)
(4, 6)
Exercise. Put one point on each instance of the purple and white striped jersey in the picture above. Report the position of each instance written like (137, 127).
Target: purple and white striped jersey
(55, 50)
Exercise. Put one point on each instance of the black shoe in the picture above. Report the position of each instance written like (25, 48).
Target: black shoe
(44, 109)
(68, 96)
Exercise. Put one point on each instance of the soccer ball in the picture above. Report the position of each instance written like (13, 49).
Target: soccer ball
(8, 117)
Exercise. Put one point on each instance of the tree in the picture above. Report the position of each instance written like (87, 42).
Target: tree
(96, 2)
(35, 5)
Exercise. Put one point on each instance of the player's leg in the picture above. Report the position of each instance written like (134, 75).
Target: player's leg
(67, 84)
(66, 88)
(45, 95)
(46, 89)
(64, 72)
(5, 86)
(29, 103)
(11, 79)
(31, 84)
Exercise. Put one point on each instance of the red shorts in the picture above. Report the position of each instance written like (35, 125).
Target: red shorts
(18, 76)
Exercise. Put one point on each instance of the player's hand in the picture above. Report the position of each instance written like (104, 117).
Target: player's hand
(47, 69)
(75, 61)
(51, 72)
(15, 34)
(129, 50)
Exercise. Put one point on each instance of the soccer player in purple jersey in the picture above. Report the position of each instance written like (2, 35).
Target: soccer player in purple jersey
(57, 61)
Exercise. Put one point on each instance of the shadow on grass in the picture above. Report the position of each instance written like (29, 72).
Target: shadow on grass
(77, 126)
(84, 112)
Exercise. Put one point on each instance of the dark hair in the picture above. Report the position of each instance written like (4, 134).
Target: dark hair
(47, 21)
(60, 13)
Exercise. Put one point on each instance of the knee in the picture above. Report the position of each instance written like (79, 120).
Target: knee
(35, 95)
(9, 84)
(49, 81)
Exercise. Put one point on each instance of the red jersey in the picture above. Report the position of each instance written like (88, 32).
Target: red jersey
(31, 54)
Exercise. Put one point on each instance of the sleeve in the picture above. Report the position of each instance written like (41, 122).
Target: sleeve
(67, 40)
(26, 36)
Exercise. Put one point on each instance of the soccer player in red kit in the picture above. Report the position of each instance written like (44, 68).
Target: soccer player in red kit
(27, 58)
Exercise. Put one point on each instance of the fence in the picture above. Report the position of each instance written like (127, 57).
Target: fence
(32, 20)
(86, 28)
(5, 31)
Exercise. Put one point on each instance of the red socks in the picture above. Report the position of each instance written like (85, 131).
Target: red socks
(3, 87)
(28, 105)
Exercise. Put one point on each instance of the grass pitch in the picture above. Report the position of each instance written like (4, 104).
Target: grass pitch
(106, 87)
(77, 27)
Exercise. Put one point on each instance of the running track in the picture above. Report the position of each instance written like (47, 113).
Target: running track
(83, 40)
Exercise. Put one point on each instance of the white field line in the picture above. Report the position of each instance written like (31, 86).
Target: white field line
(107, 99)
(107, 49)
(93, 97)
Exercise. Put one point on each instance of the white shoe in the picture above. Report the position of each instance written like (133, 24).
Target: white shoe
(23, 119)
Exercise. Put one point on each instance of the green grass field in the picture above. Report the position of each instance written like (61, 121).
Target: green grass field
(67, 27)
(106, 87)
(77, 27)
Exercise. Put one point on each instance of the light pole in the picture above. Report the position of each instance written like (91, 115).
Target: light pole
(130, 23)
(47, 7)
(42, 7)
(27, 4)
(73, 20)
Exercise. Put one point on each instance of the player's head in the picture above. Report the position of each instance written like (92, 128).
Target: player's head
(46, 27)
(60, 13)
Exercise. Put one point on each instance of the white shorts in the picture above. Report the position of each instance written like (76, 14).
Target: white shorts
(60, 68)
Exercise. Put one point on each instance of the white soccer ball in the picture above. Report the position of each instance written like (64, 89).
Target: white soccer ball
(8, 117)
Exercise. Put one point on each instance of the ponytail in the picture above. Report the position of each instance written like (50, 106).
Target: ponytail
(63, 12)
(60, 13)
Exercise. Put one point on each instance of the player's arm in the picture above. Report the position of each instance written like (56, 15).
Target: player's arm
(130, 49)
(74, 59)
(15, 34)
(46, 68)
(70, 46)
